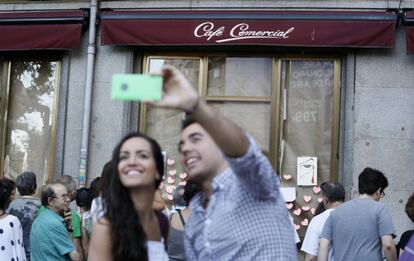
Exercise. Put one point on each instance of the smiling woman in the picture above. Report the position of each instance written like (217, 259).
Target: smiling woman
(130, 228)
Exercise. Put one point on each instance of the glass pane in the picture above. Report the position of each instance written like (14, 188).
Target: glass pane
(306, 109)
(235, 76)
(165, 125)
(254, 117)
(29, 119)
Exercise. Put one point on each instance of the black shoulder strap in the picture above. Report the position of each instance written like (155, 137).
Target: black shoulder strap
(181, 216)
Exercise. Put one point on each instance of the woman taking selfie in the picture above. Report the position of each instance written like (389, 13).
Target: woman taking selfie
(130, 229)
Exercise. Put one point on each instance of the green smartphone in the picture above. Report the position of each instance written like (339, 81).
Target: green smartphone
(136, 87)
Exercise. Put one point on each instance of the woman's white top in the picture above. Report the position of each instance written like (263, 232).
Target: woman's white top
(156, 251)
(11, 239)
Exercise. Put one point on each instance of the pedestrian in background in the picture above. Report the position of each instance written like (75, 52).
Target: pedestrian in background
(70, 183)
(50, 239)
(26, 207)
(405, 237)
(11, 233)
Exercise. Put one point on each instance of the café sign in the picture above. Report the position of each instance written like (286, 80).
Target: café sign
(241, 31)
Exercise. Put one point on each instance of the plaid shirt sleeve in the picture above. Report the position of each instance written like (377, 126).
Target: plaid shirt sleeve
(256, 173)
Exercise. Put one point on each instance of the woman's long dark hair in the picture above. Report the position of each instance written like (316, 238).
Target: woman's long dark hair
(128, 238)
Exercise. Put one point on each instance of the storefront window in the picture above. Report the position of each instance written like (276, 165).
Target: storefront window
(254, 117)
(307, 133)
(236, 76)
(29, 135)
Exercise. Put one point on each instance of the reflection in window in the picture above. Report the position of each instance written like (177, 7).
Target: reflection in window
(29, 118)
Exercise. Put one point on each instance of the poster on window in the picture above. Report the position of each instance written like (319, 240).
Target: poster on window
(307, 171)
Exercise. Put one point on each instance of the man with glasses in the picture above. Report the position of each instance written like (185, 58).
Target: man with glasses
(70, 183)
(333, 195)
(362, 228)
(49, 237)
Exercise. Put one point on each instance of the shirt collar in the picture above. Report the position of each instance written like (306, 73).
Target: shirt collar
(53, 213)
(219, 182)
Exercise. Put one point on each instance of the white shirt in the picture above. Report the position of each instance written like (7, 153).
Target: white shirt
(313, 234)
(156, 251)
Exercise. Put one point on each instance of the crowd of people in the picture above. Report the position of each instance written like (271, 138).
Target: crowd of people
(233, 206)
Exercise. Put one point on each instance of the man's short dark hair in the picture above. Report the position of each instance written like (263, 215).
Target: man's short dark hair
(26, 183)
(187, 122)
(333, 191)
(370, 180)
(46, 193)
(68, 181)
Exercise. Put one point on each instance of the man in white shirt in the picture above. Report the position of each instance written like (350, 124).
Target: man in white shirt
(333, 195)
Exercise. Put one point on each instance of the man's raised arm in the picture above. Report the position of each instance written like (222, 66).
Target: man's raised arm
(180, 94)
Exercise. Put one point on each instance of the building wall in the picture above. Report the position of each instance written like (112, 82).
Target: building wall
(377, 116)
(384, 122)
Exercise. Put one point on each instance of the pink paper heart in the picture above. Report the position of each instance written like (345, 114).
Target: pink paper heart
(170, 180)
(320, 200)
(313, 211)
(182, 183)
(161, 185)
(307, 198)
(289, 206)
(297, 227)
(297, 211)
(183, 175)
(305, 222)
(169, 189)
(305, 208)
(170, 162)
(287, 177)
(316, 190)
(170, 197)
(172, 172)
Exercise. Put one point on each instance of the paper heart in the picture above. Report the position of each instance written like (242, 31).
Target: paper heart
(289, 206)
(182, 183)
(172, 172)
(305, 222)
(297, 212)
(316, 190)
(161, 185)
(320, 200)
(170, 197)
(170, 180)
(305, 208)
(307, 198)
(313, 211)
(287, 177)
(170, 162)
(169, 189)
(297, 227)
(183, 175)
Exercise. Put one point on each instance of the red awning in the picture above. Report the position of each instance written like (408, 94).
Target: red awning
(224, 27)
(41, 30)
(408, 21)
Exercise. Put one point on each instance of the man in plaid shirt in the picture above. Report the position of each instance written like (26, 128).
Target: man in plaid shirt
(240, 214)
